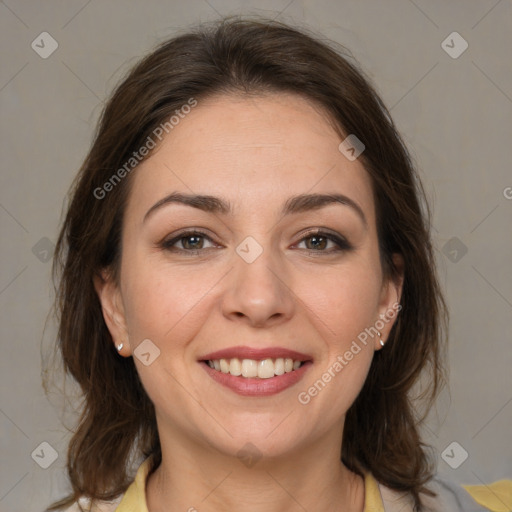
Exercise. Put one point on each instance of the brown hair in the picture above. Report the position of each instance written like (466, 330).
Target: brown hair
(245, 56)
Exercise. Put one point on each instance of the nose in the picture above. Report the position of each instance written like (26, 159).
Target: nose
(259, 293)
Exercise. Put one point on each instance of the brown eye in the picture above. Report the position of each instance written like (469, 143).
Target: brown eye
(319, 242)
(316, 242)
(191, 241)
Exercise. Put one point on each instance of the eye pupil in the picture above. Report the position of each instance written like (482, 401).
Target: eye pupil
(187, 245)
(318, 245)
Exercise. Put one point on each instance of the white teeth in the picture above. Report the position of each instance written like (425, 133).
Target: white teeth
(266, 369)
(279, 366)
(235, 367)
(224, 366)
(251, 368)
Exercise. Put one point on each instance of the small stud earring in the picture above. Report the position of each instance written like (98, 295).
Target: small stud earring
(380, 338)
(120, 347)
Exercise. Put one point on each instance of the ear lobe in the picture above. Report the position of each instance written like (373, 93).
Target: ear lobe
(112, 307)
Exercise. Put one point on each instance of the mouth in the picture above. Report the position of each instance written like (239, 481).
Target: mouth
(252, 368)
(256, 372)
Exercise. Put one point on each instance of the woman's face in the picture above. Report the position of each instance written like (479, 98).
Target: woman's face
(257, 285)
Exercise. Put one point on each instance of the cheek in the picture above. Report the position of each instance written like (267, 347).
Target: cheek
(164, 303)
(345, 301)
(344, 306)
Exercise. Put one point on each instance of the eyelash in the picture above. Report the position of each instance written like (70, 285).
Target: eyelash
(342, 243)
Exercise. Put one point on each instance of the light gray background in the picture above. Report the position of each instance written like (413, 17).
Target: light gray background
(455, 115)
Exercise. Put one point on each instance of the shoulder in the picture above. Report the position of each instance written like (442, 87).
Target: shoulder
(452, 497)
(84, 505)
(130, 500)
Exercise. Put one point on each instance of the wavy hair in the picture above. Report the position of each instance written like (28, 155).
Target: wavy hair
(245, 56)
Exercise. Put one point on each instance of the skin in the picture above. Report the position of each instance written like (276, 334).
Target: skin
(255, 153)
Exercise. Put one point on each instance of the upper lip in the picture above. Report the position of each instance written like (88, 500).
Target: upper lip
(258, 354)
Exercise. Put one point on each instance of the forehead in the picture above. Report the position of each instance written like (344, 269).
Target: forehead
(253, 151)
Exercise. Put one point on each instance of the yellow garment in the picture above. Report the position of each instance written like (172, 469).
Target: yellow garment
(496, 496)
(134, 500)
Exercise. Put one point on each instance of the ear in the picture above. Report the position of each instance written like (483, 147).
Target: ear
(113, 311)
(389, 305)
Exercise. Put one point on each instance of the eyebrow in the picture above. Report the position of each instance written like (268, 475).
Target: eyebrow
(293, 205)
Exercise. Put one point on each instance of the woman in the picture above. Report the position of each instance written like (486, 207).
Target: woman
(247, 287)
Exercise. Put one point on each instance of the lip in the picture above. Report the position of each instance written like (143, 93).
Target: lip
(253, 386)
(258, 354)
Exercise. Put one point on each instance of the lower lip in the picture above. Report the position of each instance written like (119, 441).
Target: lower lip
(257, 387)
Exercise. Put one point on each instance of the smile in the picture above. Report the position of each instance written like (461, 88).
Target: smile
(252, 368)
(256, 372)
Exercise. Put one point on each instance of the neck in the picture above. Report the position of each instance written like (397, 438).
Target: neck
(199, 478)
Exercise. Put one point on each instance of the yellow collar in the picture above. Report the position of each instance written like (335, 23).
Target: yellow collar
(495, 497)
(134, 500)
